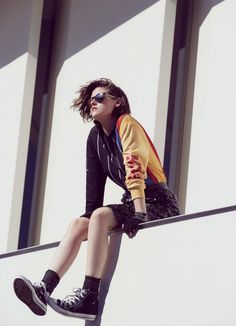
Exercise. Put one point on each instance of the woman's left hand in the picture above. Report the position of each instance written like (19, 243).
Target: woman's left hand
(130, 226)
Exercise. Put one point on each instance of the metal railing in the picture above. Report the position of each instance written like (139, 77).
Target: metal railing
(151, 224)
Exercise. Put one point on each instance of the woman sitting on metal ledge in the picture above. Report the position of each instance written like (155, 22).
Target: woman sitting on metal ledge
(118, 147)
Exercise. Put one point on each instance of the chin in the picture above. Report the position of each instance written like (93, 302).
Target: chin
(94, 116)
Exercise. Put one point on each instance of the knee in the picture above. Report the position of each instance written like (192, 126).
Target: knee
(79, 227)
(100, 216)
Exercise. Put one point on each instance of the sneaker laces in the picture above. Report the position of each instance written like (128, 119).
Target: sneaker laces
(78, 295)
(41, 290)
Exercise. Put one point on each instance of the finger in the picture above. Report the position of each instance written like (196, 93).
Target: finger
(130, 235)
(134, 232)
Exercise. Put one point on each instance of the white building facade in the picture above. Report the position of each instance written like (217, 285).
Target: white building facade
(175, 59)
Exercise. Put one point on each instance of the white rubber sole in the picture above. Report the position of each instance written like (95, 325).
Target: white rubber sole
(24, 290)
(55, 307)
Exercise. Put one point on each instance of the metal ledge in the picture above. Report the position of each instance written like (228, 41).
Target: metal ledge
(174, 219)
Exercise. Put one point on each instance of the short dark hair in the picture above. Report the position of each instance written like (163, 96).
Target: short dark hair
(80, 103)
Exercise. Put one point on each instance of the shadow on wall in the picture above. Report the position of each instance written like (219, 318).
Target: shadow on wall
(90, 19)
(201, 10)
(204, 8)
(13, 36)
(15, 19)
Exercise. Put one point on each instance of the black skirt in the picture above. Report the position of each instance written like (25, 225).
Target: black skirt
(161, 203)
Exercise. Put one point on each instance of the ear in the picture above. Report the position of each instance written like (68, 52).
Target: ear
(118, 103)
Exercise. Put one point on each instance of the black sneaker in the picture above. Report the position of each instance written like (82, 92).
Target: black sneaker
(33, 295)
(82, 304)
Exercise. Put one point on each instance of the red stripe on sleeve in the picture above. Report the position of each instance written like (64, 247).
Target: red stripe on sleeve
(119, 121)
(153, 177)
(151, 144)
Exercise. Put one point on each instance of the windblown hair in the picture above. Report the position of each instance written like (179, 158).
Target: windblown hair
(80, 103)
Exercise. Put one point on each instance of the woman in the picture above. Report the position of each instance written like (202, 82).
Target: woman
(119, 148)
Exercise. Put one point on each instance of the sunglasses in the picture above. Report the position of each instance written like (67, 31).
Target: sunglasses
(99, 98)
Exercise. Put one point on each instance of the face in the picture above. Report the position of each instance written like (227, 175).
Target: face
(101, 108)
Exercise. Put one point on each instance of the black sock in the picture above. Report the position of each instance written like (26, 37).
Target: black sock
(51, 279)
(91, 283)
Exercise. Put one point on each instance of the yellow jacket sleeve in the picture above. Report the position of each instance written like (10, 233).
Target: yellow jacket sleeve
(135, 155)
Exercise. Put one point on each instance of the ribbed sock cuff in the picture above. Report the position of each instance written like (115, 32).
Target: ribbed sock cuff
(51, 279)
(92, 283)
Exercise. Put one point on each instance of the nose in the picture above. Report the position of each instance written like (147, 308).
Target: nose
(92, 101)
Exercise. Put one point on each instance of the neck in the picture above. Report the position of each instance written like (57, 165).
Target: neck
(108, 126)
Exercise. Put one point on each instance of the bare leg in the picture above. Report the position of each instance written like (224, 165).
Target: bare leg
(101, 221)
(84, 303)
(35, 295)
(69, 246)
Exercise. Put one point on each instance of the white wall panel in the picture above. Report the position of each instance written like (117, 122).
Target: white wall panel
(209, 157)
(179, 274)
(19, 36)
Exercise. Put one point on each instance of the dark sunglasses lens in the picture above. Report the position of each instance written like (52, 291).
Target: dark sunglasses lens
(99, 97)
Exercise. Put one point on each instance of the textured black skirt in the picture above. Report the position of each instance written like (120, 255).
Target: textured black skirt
(161, 203)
